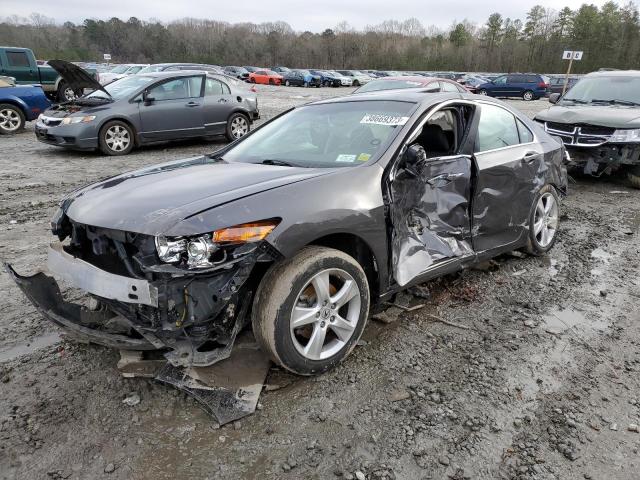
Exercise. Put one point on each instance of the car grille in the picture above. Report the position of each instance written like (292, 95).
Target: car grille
(50, 121)
(580, 135)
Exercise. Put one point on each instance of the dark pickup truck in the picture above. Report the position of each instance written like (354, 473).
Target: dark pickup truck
(20, 63)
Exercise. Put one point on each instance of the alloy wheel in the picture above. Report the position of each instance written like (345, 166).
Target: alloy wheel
(69, 94)
(9, 120)
(545, 224)
(117, 138)
(325, 314)
(239, 127)
(528, 96)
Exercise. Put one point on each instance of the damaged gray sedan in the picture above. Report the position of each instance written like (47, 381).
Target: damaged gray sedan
(300, 227)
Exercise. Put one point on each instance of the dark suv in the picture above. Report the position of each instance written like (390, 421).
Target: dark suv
(528, 86)
(599, 122)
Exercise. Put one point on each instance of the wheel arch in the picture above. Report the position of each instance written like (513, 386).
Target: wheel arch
(136, 141)
(16, 102)
(359, 249)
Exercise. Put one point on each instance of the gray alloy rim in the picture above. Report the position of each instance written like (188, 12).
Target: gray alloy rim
(482, 92)
(528, 96)
(239, 127)
(545, 224)
(117, 138)
(286, 84)
(325, 315)
(9, 119)
(69, 94)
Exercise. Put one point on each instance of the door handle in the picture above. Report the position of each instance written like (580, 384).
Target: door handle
(530, 157)
(222, 100)
(193, 104)
(443, 179)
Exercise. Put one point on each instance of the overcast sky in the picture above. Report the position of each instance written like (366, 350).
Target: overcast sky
(300, 14)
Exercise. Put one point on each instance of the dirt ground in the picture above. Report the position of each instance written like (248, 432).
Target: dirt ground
(527, 368)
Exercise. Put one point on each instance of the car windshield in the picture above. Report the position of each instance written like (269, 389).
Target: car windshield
(378, 85)
(613, 89)
(119, 69)
(343, 134)
(124, 87)
(151, 69)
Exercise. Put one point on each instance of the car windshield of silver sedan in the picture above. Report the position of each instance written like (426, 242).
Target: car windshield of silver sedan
(344, 134)
(124, 87)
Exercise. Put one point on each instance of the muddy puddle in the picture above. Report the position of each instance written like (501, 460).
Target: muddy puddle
(560, 321)
(34, 344)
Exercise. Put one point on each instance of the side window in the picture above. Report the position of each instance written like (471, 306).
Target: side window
(525, 134)
(187, 87)
(449, 87)
(497, 129)
(261, 73)
(500, 80)
(213, 87)
(433, 87)
(18, 59)
(225, 88)
(514, 79)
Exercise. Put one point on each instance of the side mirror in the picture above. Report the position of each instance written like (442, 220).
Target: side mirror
(414, 155)
(148, 99)
(554, 97)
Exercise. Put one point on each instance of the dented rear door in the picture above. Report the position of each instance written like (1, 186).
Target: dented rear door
(429, 211)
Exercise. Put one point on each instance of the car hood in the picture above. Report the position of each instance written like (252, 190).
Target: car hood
(154, 199)
(75, 76)
(614, 116)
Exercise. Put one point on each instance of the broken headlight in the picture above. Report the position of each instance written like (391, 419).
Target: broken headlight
(626, 136)
(198, 252)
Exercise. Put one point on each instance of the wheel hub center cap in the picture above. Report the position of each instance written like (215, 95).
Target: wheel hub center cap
(325, 313)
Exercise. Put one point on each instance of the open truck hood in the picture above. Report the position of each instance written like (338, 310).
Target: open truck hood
(154, 199)
(76, 77)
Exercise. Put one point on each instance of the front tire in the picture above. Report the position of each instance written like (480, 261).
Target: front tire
(528, 96)
(310, 310)
(237, 126)
(11, 119)
(543, 221)
(482, 91)
(287, 83)
(116, 138)
(356, 83)
(633, 174)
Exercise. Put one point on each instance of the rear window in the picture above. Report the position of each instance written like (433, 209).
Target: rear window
(18, 59)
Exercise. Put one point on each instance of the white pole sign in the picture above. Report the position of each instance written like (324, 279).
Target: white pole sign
(570, 55)
(107, 56)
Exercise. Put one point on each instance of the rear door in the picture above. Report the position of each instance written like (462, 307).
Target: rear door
(218, 106)
(508, 163)
(175, 109)
(516, 85)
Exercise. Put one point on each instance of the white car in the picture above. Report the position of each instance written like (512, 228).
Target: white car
(357, 77)
(344, 81)
(121, 71)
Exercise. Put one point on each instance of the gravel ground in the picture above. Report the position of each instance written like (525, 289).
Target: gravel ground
(526, 368)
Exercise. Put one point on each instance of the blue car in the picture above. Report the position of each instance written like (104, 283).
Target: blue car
(20, 104)
(327, 79)
(528, 86)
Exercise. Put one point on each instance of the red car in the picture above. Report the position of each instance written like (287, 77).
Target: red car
(266, 77)
(430, 84)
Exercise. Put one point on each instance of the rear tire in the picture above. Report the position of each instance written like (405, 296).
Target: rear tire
(287, 83)
(66, 93)
(310, 310)
(543, 221)
(238, 126)
(356, 83)
(11, 119)
(116, 138)
(528, 96)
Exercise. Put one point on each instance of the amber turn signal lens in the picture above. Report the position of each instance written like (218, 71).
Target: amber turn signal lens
(245, 233)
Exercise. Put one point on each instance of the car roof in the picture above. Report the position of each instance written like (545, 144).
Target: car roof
(411, 78)
(178, 73)
(615, 73)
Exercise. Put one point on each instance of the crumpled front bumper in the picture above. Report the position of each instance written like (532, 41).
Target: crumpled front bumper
(76, 321)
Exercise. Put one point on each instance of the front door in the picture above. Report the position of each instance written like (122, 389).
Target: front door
(429, 200)
(508, 163)
(173, 109)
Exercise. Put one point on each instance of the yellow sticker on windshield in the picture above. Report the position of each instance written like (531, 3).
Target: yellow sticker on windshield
(364, 157)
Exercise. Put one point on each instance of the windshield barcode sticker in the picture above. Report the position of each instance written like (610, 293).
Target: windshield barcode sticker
(377, 119)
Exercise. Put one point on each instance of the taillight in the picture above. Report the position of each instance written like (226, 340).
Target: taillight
(543, 85)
